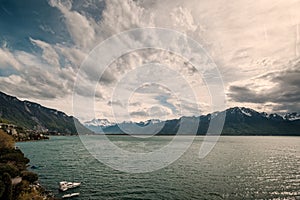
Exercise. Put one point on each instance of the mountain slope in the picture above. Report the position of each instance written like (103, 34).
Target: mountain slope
(36, 117)
(255, 123)
(238, 121)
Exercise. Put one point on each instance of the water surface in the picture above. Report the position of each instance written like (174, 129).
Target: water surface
(237, 168)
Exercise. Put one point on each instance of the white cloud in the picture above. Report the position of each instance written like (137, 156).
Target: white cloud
(79, 26)
(49, 54)
(34, 78)
(245, 38)
(73, 55)
(7, 59)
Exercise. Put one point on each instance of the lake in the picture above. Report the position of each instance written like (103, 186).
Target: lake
(239, 167)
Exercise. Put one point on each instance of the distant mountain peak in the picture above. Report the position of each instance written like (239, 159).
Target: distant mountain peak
(151, 121)
(242, 111)
(238, 121)
(98, 122)
(275, 116)
(292, 116)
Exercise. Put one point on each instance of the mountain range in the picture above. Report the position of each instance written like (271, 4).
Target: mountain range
(33, 116)
(238, 121)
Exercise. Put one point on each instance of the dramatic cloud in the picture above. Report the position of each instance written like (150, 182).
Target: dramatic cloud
(254, 43)
(79, 26)
(48, 54)
(279, 88)
(32, 76)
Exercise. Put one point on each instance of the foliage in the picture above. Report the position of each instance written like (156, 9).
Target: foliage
(25, 191)
(21, 188)
(12, 162)
(12, 170)
(7, 194)
(29, 176)
(6, 141)
(33, 195)
(14, 157)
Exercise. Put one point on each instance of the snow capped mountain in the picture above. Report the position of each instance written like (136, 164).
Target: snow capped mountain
(275, 116)
(292, 116)
(264, 114)
(245, 112)
(107, 123)
(99, 122)
(242, 111)
(252, 113)
(238, 120)
(151, 121)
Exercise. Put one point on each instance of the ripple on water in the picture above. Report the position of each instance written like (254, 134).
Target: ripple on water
(237, 168)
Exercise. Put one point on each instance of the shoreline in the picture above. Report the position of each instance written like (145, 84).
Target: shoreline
(17, 182)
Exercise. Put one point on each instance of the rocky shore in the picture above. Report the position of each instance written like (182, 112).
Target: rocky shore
(16, 182)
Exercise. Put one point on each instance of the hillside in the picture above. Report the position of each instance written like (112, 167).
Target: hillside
(34, 116)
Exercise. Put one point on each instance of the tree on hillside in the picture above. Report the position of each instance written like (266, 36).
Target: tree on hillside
(6, 141)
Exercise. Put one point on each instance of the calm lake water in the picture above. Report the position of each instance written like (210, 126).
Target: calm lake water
(237, 168)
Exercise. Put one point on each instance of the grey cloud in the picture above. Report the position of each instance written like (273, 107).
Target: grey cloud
(284, 94)
(26, 90)
(152, 112)
(107, 77)
(190, 108)
(35, 79)
(135, 104)
(290, 107)
(244, 94)
(88, 91)
(115, 102)
(139, 114)
(153, 88)
(192, 70)
(289, 77)
(88, 22)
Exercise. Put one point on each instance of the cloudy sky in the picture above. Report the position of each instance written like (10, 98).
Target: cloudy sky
(254, 44)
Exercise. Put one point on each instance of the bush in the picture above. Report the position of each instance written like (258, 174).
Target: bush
(29, 176)
(6, 141)
(15, 156)
(7, 194)
(10, 169)
(20, 188)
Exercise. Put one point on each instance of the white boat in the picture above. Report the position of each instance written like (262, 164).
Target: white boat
(64, 185)
(70, 195)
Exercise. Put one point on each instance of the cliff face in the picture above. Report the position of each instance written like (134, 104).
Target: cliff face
(33, 116)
